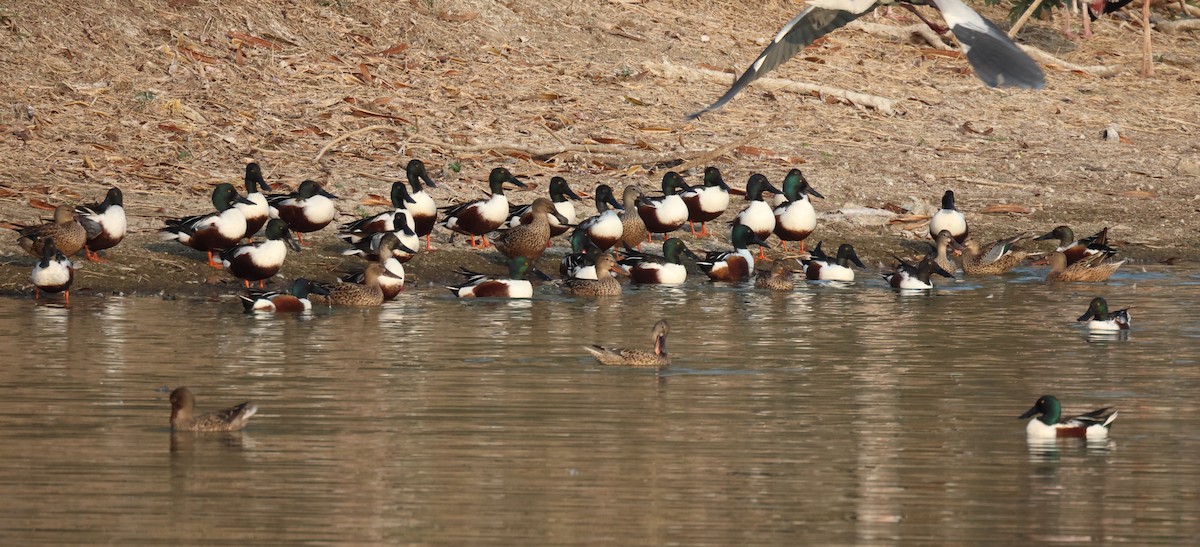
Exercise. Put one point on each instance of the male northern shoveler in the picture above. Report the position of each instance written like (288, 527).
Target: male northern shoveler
(393, 284)
(183, 407)
(637, 357)
(604, 284)
(1100, 319)
(68, 234)
(994, 258)
(1076, 250)
(734, 265)
(480, 285)
(214, 231)
(633, 228)
(668, 269)
(1050, 424)
(915, 277)
(950, 219)
(996, 59)
(306, 210)
(262, 260)
(386, 221)
(580, 263)
(706, 203)
(369, 293)
(53, 273)
(665, 214)
(561, 196)
(757, 215)
(820, 267)
(530, 240)
(370, 246)
(477, 218)
(292, 301)
(258, 211)
(604, 228)
(1092, 269)
(778, 278)
(422, 207)
(796, 219)
(104, 223)
(941, 247)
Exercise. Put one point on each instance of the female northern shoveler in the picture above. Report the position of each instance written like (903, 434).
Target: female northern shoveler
(603, 285)
(796, 219)
(949, 218)
(820, 267)
(104, 223)
(392, 285)
(942, 244)
(258, 211)
(422, 206)
(734, 265)
(262, 260)
(68, 234)
(530, 240)
(293, 301)
(1050, 424)
(480, 285)
(53, 273)
(1076, 250)
(306, 210)
(996, 59)
(1100, 319)
(636, 357)
(477, 218)
(994, 258)
(757, 215)
(183, 407)
(214, 231)
(561, 196)
(910, 277)
(778, 278)
(633, 228)
(665, 214)
(370, 246)
(648, 269)
(369, 293)
(1089, 270)
(604, 229)
(706, 203)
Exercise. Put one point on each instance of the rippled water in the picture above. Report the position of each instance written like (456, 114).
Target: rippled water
(831, 415)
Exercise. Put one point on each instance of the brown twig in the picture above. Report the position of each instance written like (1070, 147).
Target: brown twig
(1012, 32)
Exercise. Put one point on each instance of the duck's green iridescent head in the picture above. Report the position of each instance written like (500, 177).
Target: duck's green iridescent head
(1049, 408)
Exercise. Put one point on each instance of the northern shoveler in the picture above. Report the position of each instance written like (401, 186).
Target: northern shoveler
(183, 407)
(581, 261)
(706, 203)
(262, 260)
(941, 247)
(561, 196)
(633, 228)
(258, 211)
(1100, 319)
(1049, 423)
(1089, 270)
(365, 234)
(214, 231)
(668, 269)
(950, 219)
(53, 273)
(635, 357)
(994, 258)
(604, 285)
(1076, 250)
(393, 284)
(778, 278)
(734, 265)
(104, 223)
(294, 300)
(306, 210)
(604, 228)
(796, 219)
(369, 293)
(997, 61)
(68, 234)
(820, 267)
(480, 285)
(665, 214)
(757, 215)
(477, 218)
(530, 240)
(370, 246)
(915, 277)
(422, 207)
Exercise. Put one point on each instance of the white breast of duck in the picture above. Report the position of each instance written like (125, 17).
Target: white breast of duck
(56, 273)
(396, 280)
(670, 210)
(797, 216)
(667, 273)
(259, 210)
(830, 271)
(112, 221)
(948, 219)
(910, 282)
(231, 224)
(518, 288)
(267, 254)
(423, 206)
(319, 209)
(759, 217)
(712, 198)
(566, 209)
(607, 225)
(492, 210)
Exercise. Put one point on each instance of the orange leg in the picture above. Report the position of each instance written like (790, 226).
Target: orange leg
(37, 294)
(473, 244)
(703, 229)
(802, 246)
(92, 255)
(300, 238)
(216, 265)
(782, 243)
(246, 282)
(485, 241)
(649, 239)
(66, 297)
(761, 253)
(428, 242)
(261, 285)
(692, 227)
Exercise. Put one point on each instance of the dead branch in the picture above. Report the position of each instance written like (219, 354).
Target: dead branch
(1147, 53)
(1176, 27)
(902, 33)
(1012, 32)
(1047, 59)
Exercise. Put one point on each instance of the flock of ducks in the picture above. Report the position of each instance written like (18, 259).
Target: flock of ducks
(389, 239)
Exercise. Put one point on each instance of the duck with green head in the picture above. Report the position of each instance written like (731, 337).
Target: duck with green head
(708, 202)
(477, 218)
(53, 273)
(306, 210)
(1099, 319)
(604, 229)
(561, 196)
(796, 219)
(262, 260)
(422, 206)
(104, 222)
(665, 214)
(668, 269)
(1050, 423)
(734, 265)
(211, 232)
(821, 267)
(294, 300)
(258, 211)
(478, 285)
